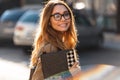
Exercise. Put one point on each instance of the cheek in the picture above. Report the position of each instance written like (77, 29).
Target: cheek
(53, 23)
(69, 22)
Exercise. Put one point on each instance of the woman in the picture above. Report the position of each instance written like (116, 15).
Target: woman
(56, 32)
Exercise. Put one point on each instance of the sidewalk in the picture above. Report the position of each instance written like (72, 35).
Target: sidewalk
(13, 71)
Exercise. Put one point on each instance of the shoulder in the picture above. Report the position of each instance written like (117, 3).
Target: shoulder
(49, 48)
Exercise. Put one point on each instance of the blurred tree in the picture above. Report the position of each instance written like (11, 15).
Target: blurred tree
(118, 16)
(93, 10)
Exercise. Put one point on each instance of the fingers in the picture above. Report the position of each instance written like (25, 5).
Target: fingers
(75, 68)
(76, 65)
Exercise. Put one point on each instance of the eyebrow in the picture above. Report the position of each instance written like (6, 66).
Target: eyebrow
(59, 13)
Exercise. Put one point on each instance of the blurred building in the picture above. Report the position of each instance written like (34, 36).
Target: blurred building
(8, 4)
(34, 1)
(103, 12)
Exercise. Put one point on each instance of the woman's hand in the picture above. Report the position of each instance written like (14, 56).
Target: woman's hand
(75, 67)
(75, 70)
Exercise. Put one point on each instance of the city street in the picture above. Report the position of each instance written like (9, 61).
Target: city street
(108, 54)
(15, 63)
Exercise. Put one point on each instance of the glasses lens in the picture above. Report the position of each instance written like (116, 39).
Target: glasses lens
(66, 15)
(57, 16)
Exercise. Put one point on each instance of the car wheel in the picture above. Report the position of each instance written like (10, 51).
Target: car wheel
(27, 50)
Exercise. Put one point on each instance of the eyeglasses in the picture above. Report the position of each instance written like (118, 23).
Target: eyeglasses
(58, 16)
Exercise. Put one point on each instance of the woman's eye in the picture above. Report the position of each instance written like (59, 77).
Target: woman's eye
(57, 15)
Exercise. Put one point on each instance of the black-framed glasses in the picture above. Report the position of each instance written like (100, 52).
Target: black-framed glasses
(58, 16)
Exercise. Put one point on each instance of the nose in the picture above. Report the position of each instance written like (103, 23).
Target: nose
(62, 18)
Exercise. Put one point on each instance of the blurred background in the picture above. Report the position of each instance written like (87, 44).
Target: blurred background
(97, 23)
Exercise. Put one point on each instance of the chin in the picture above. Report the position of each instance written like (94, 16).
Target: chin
(64, 30)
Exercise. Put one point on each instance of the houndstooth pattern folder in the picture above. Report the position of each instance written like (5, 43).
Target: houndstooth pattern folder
(70, 58)
(53, 63)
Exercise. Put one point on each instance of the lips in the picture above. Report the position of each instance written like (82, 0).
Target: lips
(63, 25)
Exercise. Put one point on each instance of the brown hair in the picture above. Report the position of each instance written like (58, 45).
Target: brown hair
(47, 34)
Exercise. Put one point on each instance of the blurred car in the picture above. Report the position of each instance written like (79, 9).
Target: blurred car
(89, 35)
(7, 23)
(25, 28)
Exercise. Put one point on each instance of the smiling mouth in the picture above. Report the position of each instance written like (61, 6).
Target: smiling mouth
(63, 25)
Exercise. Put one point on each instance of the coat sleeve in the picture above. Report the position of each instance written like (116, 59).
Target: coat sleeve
(37, 73)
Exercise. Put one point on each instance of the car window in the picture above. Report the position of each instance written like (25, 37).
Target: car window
(81, 20)
(11, 15)
(30, 17)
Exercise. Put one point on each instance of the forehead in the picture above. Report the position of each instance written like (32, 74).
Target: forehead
(59, 9)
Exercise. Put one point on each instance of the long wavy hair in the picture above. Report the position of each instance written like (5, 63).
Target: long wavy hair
(45, 33)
